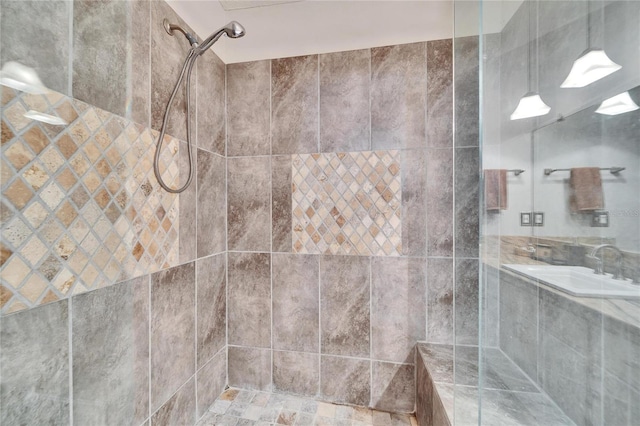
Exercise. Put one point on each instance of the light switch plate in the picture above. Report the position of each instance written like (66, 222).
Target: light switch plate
(538, 218)
(525, 219)
(600, 219)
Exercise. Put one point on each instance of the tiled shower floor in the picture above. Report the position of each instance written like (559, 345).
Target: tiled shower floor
(244, 408)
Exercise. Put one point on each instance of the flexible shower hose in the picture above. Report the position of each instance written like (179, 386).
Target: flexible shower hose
(188, 66)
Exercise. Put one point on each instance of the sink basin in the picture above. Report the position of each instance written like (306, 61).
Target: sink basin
(578, 281)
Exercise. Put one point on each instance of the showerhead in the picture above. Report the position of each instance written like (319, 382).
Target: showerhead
(233, 30)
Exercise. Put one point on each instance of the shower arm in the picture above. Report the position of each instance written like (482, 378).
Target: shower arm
(170, 28)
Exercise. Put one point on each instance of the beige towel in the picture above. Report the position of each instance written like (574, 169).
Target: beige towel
(495, 189)
(585, 185)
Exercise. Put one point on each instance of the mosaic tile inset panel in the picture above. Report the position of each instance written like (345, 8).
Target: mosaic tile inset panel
(81, 208)
(347, 203)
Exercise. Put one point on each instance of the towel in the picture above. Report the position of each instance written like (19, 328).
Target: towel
(495, 189)
(585, 189)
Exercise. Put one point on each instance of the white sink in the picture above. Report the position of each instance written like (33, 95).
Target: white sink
(578, 281)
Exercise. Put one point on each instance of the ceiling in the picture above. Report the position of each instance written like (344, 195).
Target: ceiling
(285, 28)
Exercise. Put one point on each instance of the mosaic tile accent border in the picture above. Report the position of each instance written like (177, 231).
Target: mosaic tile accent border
(347, 203)
(81, 208)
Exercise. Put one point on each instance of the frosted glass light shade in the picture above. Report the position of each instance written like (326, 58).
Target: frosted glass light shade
(530, 105)
(618, 104)
(21, 77)
(591, 66)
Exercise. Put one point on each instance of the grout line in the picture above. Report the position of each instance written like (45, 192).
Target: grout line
(226, 219)
(325, 354)
(370, 95)
(453, 220)
(195, 333)
(271, 383)
(70, 332)
(149, 72)
(320, 259)
(70, 62)
(149, 343)
(318, 100)
(370, 331)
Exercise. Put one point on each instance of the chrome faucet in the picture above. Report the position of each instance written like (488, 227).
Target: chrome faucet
(599, 268)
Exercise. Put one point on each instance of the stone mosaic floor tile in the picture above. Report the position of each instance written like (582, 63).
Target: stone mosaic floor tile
(236, 407)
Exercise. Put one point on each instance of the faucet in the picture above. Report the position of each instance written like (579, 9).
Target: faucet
(599, 269)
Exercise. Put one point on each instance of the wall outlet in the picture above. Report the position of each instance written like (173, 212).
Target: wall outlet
(538, 219)
(525, 219)
(600, 219)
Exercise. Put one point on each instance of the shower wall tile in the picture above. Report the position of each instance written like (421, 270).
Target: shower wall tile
(578, 328)
(52, 29)
(398, 92)
(211, 307)
(281, 203)
(180, 409)
(466, 186)
(467, 100)
(188, 239)
(249, 199)
(100, 48)
(440, 93)
(211, 103)
(621, 356)
(86, 210)
(398, 307)
(140, 76)
(110, 329)
(393, 387)
(519, 323)
(466, 302)
(248, 103)
(439, 210)
(249, 299)
(345, 380)
(572, 380)
(414, 202)
(212, 220)
(34, 364)
(345, 313)
(336, 209)
(211, 381)
(294, 105)
(250, 368)
(344, 101)
(167, 57)
(296, 372)
(295, 302)
(440, 307)
(172, 331)
(570, 353)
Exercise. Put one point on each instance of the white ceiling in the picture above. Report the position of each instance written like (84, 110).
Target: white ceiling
(285, 28)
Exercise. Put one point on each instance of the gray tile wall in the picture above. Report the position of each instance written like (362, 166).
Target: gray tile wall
(126, 340)
(585, 361)
(313, 314)
(164, 333)
(396, 97)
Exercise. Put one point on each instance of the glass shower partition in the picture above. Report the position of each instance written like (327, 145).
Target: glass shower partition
(559, 343)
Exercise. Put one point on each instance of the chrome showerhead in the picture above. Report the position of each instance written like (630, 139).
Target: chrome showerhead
(233, 30)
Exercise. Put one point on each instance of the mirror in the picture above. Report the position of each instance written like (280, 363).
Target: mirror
(590, 139)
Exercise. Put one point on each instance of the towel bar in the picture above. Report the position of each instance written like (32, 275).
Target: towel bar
(516, 172)
(614, 170)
